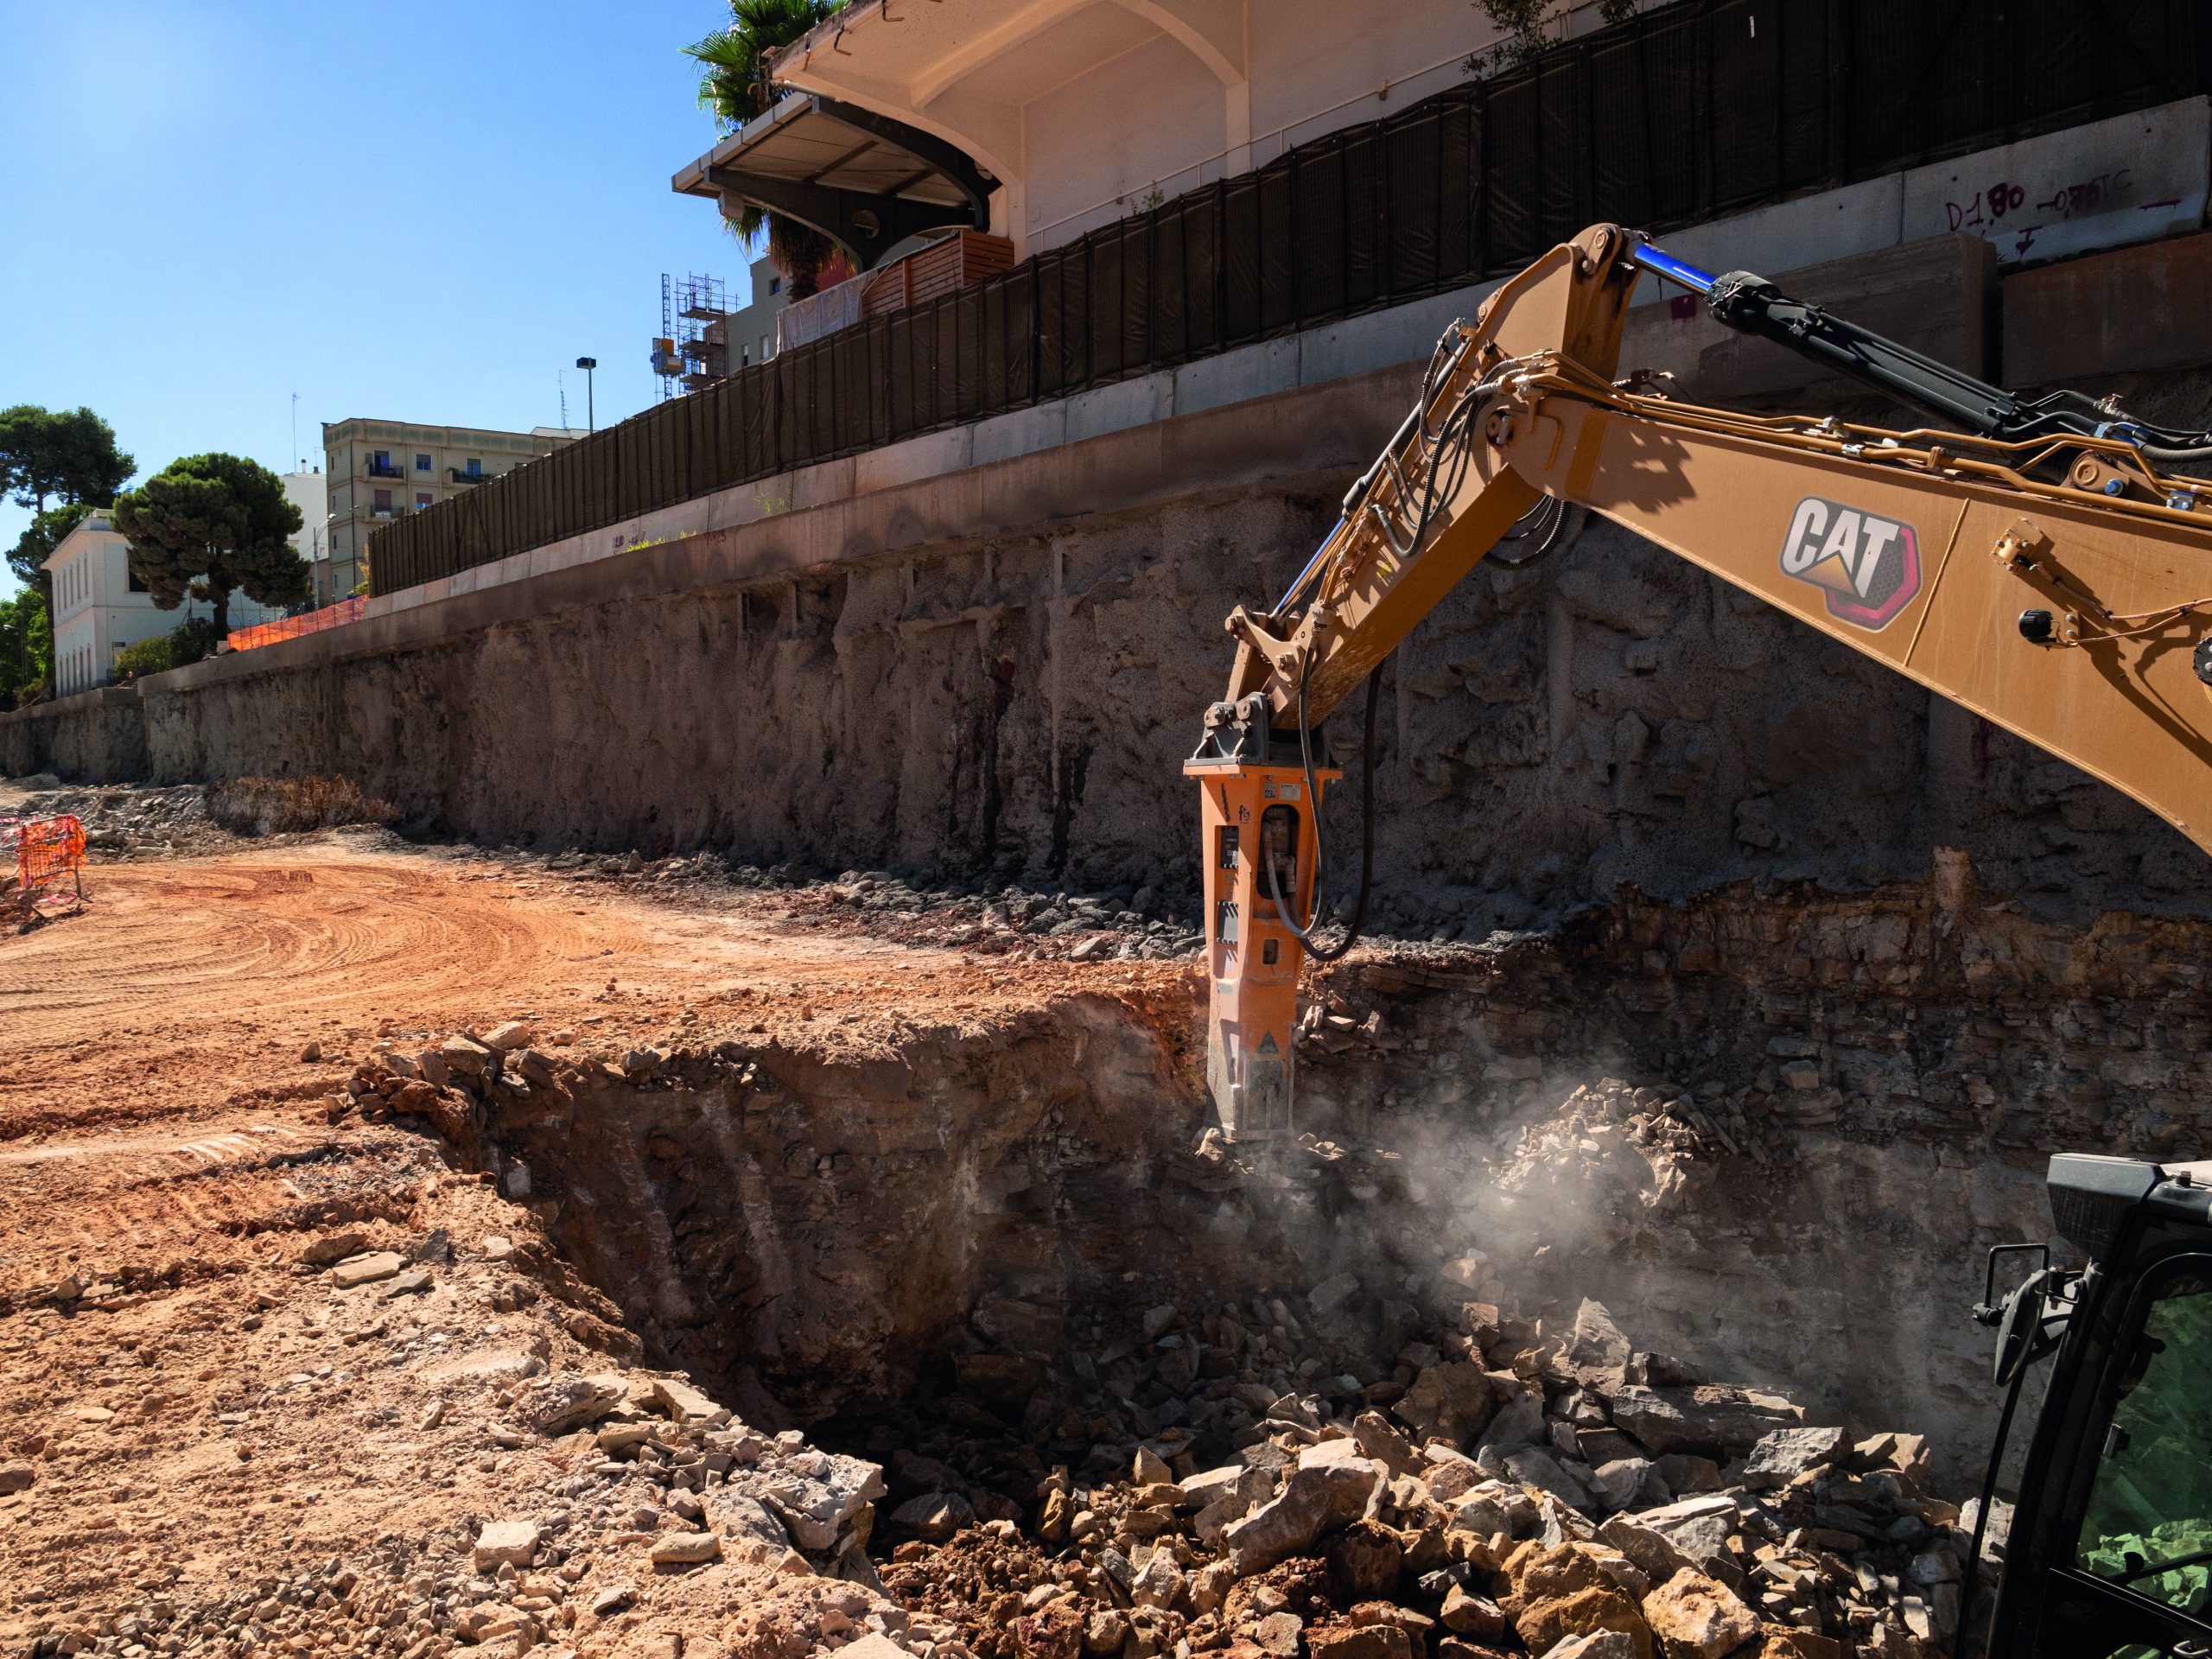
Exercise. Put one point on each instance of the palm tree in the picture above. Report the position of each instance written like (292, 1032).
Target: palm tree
(736, 88)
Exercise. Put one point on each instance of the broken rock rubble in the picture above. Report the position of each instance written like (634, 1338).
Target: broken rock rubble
(1550, 1492)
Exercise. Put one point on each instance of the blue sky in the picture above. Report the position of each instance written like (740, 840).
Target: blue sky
(411, 211)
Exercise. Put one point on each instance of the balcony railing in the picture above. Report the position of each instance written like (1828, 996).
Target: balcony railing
(386, 469)
(460, 477)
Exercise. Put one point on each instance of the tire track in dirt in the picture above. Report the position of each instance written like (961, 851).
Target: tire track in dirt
(232, 939)
(181, 983)
(188, 986)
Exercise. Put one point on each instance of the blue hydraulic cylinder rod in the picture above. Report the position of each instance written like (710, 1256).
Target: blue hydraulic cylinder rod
(1660, 262)
(1312, 565)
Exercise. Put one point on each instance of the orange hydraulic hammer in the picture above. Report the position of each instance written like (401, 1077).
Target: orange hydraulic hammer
(1259, 837)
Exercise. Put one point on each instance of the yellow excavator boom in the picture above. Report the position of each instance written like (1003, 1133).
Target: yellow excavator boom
(2037, 568)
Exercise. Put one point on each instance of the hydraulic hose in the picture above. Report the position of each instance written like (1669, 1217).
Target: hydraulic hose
(1971, 1580)
(1305, 934)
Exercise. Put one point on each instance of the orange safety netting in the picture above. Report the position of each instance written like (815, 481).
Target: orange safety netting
(46, 851)
(291, 627)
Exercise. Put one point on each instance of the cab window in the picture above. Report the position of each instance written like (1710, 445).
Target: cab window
(2149, 1520)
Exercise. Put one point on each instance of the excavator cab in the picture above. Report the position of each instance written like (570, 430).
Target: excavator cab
(2110, 1551)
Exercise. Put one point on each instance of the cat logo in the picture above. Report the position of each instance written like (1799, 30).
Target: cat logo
(1869, 565)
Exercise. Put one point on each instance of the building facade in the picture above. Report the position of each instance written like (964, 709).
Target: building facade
(100, 608)
(1079, 112)
(750, 332)
(309, 491)
(382, 470)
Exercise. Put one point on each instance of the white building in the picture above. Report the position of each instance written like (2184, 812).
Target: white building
(752, 330)
(100, 606)
(310, 492)
(1080, 110)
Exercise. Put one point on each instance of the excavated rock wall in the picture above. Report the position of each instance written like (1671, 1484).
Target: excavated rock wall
(1017, 709)
(1825, 1109)
(827, 1228)
(100, 737)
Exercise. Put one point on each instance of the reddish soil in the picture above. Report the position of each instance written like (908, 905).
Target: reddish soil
(189, 986)
(200, 1406)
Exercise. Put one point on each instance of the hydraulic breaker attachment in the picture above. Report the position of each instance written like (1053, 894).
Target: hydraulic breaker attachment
(1259, 839)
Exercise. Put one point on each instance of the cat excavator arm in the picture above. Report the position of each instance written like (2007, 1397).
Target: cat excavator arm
(2030, 560)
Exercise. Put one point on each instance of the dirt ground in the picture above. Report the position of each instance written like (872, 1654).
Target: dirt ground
(189, 986)
(192, 1404)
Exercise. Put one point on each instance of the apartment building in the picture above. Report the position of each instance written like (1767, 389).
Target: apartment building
(100, 606)
(750, 331)
(383, 470)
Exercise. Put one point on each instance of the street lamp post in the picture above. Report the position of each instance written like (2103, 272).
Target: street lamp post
(587, 364)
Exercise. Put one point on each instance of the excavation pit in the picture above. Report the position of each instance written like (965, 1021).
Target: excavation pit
(951, 1213)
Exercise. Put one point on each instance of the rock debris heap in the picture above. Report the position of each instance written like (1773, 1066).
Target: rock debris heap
(1561, 1496)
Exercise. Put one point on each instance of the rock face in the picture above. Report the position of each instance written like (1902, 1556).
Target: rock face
(1614, 686)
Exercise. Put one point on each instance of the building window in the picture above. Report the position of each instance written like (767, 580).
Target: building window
(475, 466)
(775, 284)
(422, 500)
(137, 586)
(422, 463)
(383, 501)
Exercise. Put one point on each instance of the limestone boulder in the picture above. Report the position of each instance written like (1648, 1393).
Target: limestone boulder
(1364, 1562)
(1520, 1423)
(505, 1543)
(1782, 1456)
(823, 1500)
(570, 1400)
(1470, 1615)
(1542, 1624)
(1313, 1503)
(1693, 1617)
(933, 1517)
(1453, 1402)
(1702, 1417)
(1596, 1352)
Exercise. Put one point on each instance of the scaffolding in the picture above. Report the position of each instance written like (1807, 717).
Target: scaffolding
(692, 349)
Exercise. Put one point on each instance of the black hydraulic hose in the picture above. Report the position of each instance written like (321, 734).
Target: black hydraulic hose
(1752, 305)
(1972, 1581)
(1305, 935)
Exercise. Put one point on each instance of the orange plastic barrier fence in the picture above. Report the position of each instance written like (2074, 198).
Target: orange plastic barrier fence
(291, 627)
(46, 851)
